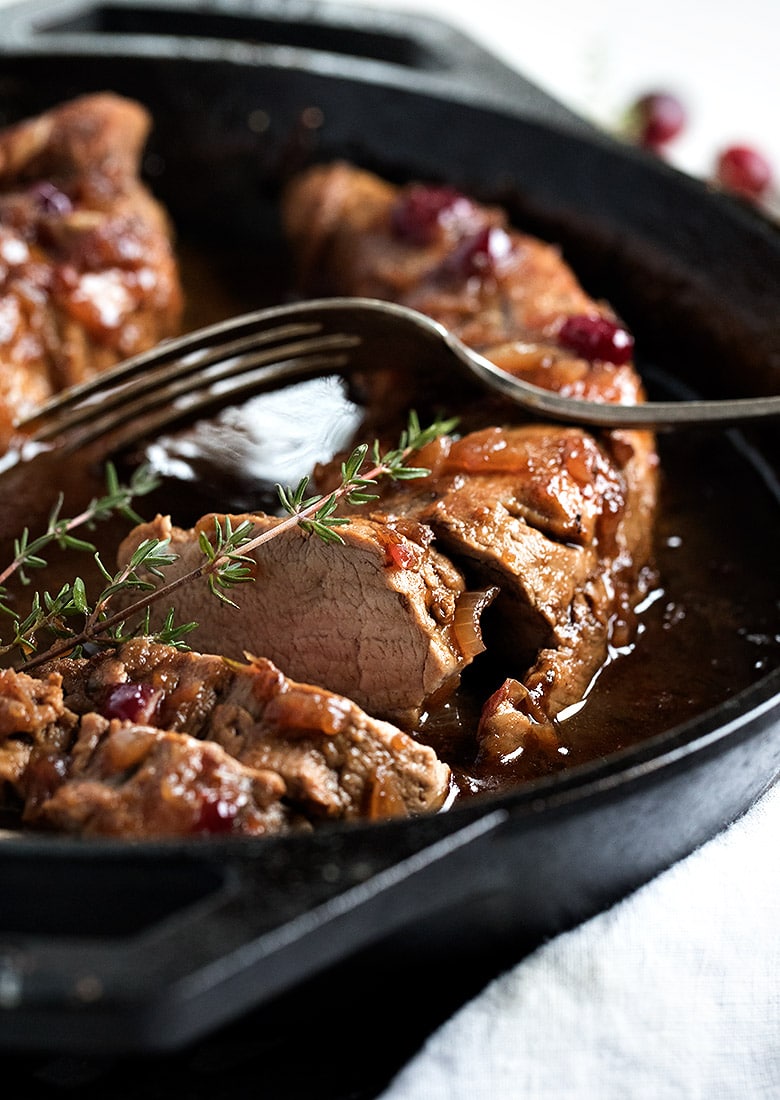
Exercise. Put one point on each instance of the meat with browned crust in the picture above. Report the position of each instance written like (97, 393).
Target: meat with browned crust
(88, 274)
(375, 618)
(558, 518)
(147, 741)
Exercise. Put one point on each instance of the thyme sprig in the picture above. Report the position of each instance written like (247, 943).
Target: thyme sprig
(49, 611)
(226, 553)
(115, 501)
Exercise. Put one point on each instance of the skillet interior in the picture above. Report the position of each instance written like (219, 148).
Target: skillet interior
(181, 938)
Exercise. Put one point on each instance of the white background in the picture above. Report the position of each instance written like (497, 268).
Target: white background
(721, 57)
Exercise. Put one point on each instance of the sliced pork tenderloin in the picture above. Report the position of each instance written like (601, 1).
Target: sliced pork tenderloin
(137, 781)
(315, 753)
(547, 516)
(375, 618)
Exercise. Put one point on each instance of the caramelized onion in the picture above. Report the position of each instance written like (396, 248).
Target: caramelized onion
(466, 621)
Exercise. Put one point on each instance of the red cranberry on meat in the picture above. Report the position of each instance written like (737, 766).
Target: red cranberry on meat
(49, 199)
(131, 703)
(422, 211)
(482, 253)
(594, 337)
(216, 815)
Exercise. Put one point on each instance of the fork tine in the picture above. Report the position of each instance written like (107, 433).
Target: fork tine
(212, 387)
(176, 358)
(167, 382)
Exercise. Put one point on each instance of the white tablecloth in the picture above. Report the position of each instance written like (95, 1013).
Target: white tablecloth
(673, 994)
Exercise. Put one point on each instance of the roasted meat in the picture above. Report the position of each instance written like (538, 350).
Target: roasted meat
(546, 516)
(503, 292)
(559, 519)
(148, 741)
(88, 274)
(375, 618)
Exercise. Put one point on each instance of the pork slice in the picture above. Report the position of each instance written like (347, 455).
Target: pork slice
(562, 528)
(33, 715)
(88, 274)
(375, 618)
(134, 781)
(316, 751)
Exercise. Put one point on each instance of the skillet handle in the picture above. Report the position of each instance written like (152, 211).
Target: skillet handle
(136, 951)
(413, 52)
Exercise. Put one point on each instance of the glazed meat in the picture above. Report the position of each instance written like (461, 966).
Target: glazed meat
(148, 741)
(378, 618)
(32, 716)
(504, 293)
(548, 517)
(557, 518)
(129, 780)
(87, 270)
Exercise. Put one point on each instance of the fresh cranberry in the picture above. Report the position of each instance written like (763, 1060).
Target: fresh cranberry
(216, 815)
(481, 253)
(49, 199)
(656, 118)
(594, 337)
(422, 210)
(743, 170)
(131, 702)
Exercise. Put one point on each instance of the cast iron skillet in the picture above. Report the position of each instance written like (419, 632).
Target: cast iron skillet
(108, 947)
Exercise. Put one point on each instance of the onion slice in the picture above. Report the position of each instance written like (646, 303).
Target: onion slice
(466, 621)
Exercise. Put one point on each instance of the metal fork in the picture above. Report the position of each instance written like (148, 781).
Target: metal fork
(186, 377)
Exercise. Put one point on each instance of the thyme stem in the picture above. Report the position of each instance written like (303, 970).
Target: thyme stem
(225, 563)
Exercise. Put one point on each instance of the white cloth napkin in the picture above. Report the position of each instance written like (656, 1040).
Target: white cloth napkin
(672, 994)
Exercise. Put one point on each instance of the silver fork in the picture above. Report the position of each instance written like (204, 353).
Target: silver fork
(212, 367)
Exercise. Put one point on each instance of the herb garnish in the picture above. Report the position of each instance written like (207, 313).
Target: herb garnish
(225, 564)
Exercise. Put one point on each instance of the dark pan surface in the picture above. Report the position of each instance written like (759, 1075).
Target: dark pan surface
(116, 948)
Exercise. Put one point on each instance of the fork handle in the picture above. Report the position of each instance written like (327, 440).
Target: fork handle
(652, 415)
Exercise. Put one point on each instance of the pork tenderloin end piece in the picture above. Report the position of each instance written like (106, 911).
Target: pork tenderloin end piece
(380, 618)
(502, 291)
(135, 781)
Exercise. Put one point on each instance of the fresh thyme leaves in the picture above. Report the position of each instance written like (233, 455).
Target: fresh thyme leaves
(116, 501)
(226, 560)
(49, 612)
(230, 566)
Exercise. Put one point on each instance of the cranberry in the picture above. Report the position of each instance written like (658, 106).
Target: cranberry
(216, 815)
(481, 253)
(49, 199)
(743, 170)
(422, 210)
(655, 119)
(594, 337)
(131, 702)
